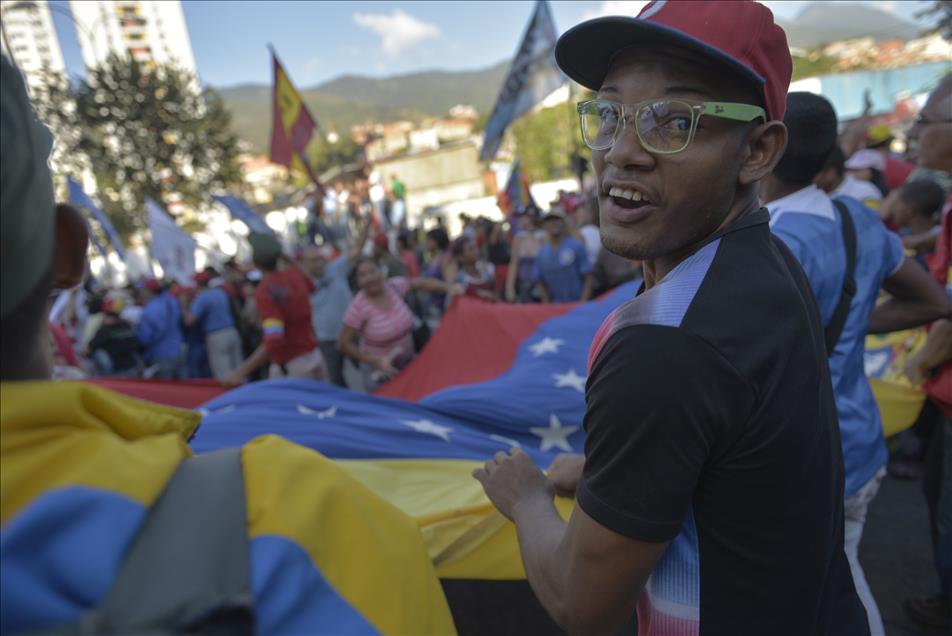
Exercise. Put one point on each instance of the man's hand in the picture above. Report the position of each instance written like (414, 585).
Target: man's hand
(565, 473)
(915, 370)
(233, 380)
(385, 366)
(512, 478)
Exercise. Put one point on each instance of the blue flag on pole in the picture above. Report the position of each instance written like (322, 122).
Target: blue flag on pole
(78, 197)
(532, 77)
(241, 212)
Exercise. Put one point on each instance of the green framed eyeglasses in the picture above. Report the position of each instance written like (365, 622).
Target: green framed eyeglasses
(664, 126)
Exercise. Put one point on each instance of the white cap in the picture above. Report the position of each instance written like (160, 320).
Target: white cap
(867, 158)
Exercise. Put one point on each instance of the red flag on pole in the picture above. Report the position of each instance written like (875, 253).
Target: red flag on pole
(293, 125)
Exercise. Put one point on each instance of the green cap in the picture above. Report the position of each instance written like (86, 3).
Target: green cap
(26, 193)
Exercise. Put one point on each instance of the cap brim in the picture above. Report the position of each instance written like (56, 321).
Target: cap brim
(585, 51)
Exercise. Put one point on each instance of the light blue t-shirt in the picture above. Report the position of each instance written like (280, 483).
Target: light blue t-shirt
(330, 299)
(213, 310)
(562, 269)
(806, 223)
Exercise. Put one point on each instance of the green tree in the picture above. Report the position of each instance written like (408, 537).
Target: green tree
(143, 131)
(940, 12)
(325, 155)
(545, 141)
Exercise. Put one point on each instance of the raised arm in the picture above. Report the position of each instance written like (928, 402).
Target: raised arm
(916, 299)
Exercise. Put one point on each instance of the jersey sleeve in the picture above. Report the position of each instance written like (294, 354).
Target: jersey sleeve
(663, 406)
(271, 314)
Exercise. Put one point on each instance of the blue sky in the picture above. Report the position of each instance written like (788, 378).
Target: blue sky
(318, 41)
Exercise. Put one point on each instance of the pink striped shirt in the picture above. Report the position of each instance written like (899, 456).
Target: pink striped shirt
(379, 331)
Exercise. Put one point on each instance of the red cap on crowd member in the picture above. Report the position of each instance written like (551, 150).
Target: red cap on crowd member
(202, 278)
(181, 290)
(382, 241)
(741, 35)
(152, 284)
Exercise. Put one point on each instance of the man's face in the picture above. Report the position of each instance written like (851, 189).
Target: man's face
(689, 193)
(554, 227)
(312, 262)
(930, 142)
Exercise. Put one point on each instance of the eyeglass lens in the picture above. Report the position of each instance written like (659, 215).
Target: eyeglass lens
(662, 125)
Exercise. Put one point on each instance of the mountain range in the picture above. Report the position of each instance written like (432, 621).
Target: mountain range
(350, 99)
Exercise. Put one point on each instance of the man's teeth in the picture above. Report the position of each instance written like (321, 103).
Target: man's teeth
(631, 195)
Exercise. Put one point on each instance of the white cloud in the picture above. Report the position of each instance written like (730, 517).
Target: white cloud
(629, 8)
(398, 31)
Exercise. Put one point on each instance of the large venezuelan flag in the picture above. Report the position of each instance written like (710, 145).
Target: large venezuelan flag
(494, 377)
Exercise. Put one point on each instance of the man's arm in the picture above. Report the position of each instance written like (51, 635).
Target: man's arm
(916, 299)
(587, 287)
(252, 363)
(188, 317)
(586, 576)
(936, 351)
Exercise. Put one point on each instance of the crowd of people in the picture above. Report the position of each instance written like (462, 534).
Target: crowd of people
(343, 295)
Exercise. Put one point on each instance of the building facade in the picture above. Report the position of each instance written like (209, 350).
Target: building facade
(151, 31)
(29, 39)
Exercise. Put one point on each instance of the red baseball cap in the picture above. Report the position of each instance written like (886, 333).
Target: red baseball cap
(151, 284)
(381, 241)
(741, 35)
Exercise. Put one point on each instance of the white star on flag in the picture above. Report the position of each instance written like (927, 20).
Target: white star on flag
(546, 345)
(570, 379)
(426, 426)
(321, 415)
(555, 435)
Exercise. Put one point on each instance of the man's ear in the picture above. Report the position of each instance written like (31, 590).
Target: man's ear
(765, 148)
(72, 237)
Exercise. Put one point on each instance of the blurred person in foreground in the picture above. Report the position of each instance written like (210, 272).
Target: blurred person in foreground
(710, 495)
(846, 283)
(110, 525)
(930, 146)
(282, 299)
(562, 271)
(211, 310)
(160, 331)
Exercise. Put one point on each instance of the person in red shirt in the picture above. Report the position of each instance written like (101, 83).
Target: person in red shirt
(284, 308)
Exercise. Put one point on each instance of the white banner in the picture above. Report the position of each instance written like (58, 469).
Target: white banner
(172, 247)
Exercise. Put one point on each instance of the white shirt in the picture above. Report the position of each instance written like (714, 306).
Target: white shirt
(857, 189)
(809, 200)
